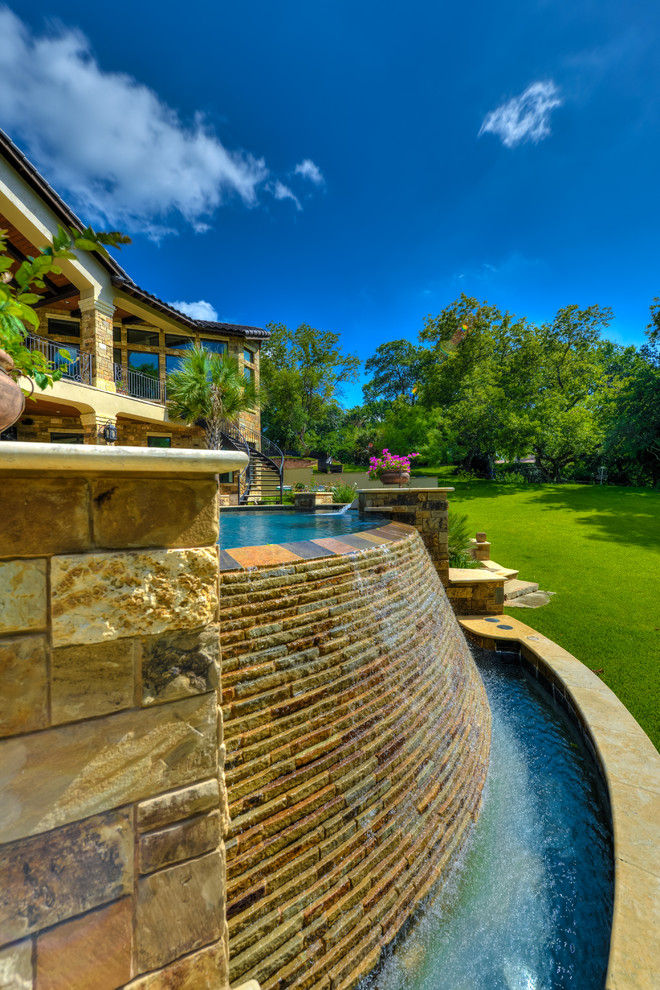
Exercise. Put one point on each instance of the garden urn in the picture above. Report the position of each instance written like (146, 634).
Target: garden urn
(12, 400)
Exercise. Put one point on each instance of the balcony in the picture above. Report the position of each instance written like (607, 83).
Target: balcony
(67, 358)
(138, 385)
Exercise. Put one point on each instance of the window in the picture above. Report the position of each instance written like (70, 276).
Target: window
(247, 374)
(116, 335)
(116, 355)
(178, 342)
(172, 363)
(159, 441)
(215, 346)
(64, 328)
(67, 437)
(227, 478)
(248, 355)
(147, 338)
(144, 363)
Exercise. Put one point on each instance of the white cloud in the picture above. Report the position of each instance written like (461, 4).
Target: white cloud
(307, 169)
(280, 191)
(525, 117)
(200, 310)
(121, 154)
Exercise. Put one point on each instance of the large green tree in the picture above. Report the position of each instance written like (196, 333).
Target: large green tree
(397, 367)
(209, 387)
(303, 372)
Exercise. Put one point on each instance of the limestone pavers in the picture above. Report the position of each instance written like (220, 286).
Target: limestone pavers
(42, 516)
(177, 805)
(23, 603)
(178, 842)
(96, 947)
(57, 875)
(24, 684)
(179, 909)
(16, 966)
(180, 664)
(104, 596)
(72, 771)
(93, 679)
(130, 513)
(203, 969)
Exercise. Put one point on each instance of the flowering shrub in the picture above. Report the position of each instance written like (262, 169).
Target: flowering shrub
(389, 462)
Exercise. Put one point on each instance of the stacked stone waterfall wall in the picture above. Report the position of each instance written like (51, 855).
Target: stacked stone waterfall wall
(357, 734)
(112, 808)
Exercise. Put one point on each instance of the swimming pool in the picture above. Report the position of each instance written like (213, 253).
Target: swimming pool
(530, 906)
(254, 528)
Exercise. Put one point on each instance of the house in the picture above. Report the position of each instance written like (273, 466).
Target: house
(120, 341)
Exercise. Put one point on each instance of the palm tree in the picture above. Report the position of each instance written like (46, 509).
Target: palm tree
(210, 387)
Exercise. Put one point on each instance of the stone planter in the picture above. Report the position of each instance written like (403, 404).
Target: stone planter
(12, 400)
(309, 500)
(395, 478)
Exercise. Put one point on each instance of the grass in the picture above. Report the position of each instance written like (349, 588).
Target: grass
(598, 548)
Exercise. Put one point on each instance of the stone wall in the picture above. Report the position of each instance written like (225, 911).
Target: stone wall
(427, 509)
(113, 809)
(357, 734)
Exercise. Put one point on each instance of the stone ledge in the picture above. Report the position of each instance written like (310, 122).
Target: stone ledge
(630, 765)
(88, 459)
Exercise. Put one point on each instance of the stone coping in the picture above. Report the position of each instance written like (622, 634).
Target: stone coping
(238, 558)
(630, 766)
(88, 459)
(396, 488)
(474, 575)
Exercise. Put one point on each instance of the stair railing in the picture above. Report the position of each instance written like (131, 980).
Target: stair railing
(234, 435)
(251, 441)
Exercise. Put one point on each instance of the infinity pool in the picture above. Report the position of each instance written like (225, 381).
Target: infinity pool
(254, 528)
(530, 905)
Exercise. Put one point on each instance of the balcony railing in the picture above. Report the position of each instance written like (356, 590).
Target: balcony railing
(67, 358)
(138, 385)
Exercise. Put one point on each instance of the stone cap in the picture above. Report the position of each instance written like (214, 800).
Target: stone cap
(89, 459)
(405, 488)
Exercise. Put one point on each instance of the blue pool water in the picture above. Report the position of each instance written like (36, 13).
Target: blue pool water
(530, 905)
(254, 528)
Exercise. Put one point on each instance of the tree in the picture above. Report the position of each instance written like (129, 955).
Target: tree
(209, 387)
(18, 294)
(303, 372)
(397, 367)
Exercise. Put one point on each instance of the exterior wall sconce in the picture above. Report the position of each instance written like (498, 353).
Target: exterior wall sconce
(109, 432)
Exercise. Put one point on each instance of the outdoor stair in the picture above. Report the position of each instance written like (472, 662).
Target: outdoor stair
(264, 475)
(514, 589)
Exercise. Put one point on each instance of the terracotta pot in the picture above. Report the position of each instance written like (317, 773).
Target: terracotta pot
(12, 400)
(395, 477)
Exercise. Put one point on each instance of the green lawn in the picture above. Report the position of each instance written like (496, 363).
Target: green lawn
(598, 548)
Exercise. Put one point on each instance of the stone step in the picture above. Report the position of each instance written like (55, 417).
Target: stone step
(507, 572)
(514, 589)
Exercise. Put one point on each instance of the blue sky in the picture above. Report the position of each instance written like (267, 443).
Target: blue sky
(350, 164)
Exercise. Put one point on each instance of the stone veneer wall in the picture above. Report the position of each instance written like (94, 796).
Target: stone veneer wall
(357, 733)
(112, 810)
(427, 509)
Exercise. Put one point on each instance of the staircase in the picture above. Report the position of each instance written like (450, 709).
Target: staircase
(263, 476)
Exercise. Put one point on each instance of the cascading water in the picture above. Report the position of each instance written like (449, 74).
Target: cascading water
(529, 905)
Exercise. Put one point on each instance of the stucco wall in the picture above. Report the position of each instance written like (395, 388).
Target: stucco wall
(357, 734)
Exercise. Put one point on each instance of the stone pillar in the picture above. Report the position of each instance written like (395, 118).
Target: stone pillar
(480, 547)
(426, 509)
(96, 340)
(113, 812)
(90, 428)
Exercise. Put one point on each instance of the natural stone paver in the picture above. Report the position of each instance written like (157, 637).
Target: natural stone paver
(102, 596)
(23, 604)
(90, 953)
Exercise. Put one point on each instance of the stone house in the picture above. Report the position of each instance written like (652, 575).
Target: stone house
(121, 340)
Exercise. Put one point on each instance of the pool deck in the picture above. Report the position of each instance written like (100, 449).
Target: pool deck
(235, 558)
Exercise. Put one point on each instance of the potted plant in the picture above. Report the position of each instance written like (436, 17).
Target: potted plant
(391, 469)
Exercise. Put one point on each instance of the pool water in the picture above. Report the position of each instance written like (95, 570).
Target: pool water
(253, 529)
(529, 907)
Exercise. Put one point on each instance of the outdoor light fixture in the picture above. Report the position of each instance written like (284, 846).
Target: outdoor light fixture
(109, 432)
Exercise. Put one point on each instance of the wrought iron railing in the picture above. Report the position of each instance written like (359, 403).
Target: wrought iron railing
(256, 446)
(76, 366)
(233, 433)
(138, 385)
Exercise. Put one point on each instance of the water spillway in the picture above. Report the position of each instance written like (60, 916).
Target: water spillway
(357, 736)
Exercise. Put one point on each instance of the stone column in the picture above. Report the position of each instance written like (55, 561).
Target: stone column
(90, 427)
(113, 812)
(426, 509)
(96, 340)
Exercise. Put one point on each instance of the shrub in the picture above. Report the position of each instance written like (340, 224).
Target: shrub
(459, 542)
(343, 492)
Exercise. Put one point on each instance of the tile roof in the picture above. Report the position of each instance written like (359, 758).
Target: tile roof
(119, 278)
